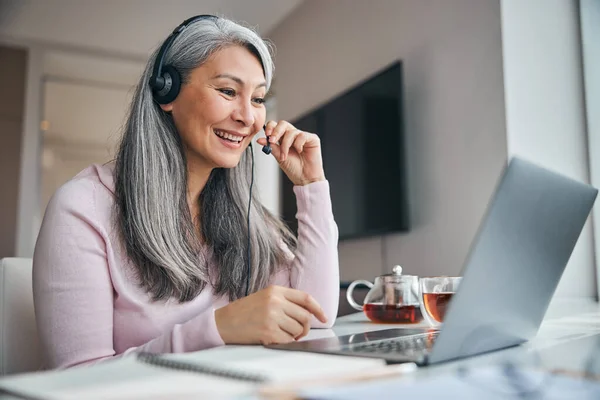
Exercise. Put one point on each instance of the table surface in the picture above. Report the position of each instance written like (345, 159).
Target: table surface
(568, 337)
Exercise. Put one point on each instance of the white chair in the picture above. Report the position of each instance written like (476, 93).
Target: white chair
(20, 350)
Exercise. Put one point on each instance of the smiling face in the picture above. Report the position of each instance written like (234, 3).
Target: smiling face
(220, 109)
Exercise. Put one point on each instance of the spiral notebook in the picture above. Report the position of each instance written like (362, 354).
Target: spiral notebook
(216, 374)
(224, 372)
(263, 366)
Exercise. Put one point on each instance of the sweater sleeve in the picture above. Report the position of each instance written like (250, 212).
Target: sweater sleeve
(315, 264)
(74, 294)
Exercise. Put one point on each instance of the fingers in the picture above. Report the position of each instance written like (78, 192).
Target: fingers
(300, 141)
(285, 135)
(287, 141)
(274, 130)
(277, 336)
(292, 327)
(275, 150)
(301, 316)
(306, 301)
(273, 315)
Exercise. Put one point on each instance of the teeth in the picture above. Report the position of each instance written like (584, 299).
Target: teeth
(229, 136)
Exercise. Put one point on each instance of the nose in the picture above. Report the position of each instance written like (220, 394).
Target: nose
(243, 113)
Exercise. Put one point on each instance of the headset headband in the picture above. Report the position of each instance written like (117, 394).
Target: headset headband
(157, 81)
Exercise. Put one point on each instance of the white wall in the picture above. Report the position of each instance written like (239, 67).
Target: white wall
(266, 172)
(82, 125)
(46, 63)
(590, 32)
(455, 122)
(28, 218)
(62, 161)
(545, 110)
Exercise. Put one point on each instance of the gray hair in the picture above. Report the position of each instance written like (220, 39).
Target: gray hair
(151, 210)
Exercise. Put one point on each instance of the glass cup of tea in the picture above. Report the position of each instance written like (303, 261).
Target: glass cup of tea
(436, 295)
(392, 298)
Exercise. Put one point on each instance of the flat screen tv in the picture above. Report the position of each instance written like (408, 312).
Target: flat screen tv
(362, 139)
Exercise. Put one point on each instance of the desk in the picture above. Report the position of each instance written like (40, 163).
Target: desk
(564, 341)
(561, 330)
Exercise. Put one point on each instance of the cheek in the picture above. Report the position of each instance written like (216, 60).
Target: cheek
(261, 119)
(262, 114)
(195, 117)
(213, 109)
(186, 116)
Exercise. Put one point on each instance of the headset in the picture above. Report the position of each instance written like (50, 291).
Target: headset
(166, 80)
(166, 84)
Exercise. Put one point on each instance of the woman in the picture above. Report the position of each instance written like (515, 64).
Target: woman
(150, 252)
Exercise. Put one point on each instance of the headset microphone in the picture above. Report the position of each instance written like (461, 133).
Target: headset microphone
(266, 149)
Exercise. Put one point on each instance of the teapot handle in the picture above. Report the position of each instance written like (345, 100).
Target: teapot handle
(349, 296)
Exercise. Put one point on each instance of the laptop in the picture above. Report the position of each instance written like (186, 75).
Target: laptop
(511, 273)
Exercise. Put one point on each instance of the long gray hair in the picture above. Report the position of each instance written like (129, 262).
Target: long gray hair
(152, 213)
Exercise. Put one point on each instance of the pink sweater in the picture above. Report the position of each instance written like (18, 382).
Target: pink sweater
(89, 308)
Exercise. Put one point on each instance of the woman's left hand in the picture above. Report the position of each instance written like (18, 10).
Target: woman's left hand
(297, 152)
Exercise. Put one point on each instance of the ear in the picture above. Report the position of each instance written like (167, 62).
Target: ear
(167, 107)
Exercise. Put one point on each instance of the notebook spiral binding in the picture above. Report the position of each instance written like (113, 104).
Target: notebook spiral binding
(158, 360)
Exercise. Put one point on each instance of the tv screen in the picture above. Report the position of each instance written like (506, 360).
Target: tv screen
(362, 141)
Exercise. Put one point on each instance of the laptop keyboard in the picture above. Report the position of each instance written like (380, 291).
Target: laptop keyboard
(413, 344)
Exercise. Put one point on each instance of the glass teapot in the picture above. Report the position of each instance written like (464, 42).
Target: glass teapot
(393, 298)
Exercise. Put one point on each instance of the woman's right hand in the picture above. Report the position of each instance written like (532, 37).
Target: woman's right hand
(273, 315)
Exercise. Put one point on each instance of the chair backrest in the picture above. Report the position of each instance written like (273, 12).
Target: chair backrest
(20, 350)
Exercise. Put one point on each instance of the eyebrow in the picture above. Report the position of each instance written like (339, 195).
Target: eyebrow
(237, 80)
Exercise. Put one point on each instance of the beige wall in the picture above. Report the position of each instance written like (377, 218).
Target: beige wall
(454, 111)
(13, 62)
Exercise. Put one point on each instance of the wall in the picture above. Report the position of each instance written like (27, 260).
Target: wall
(28, 215)
(82, 125)
(61, 161)
(56, 90)
(590, 32)
(455, 122)
(12, 81)
(48, 64)
(266, 169)
(455, 111)
(135, 26)
(545, 108)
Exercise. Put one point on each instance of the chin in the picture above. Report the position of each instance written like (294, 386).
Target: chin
(230, 161)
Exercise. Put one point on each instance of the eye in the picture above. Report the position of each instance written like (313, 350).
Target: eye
(228, 92)
(259, 100)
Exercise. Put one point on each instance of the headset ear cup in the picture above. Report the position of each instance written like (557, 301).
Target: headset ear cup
(172, 85)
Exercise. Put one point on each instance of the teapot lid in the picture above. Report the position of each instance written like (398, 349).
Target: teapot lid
(396, 271)
(396, 276)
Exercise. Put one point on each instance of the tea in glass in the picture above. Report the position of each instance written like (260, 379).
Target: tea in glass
(437, 293)
(436, 304)
(392, 313)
